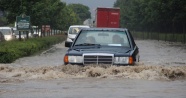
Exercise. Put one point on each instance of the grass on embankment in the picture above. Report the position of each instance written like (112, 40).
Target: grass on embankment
(12, 50)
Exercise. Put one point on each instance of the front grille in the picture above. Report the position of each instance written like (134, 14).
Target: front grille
(98, 59)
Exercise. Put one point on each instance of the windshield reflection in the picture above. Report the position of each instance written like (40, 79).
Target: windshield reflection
(104, 38)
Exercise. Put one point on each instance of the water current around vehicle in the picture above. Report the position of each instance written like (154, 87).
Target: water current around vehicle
(160, 73)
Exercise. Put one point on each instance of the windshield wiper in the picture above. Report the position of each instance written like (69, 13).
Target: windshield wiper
(87, 44)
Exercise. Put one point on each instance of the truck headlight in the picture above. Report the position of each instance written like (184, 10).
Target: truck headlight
(123, 60)
(73, 59)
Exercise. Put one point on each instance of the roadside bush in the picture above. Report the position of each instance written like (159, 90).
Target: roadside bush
(12, 50)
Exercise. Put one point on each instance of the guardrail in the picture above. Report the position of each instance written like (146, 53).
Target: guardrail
(171, 37)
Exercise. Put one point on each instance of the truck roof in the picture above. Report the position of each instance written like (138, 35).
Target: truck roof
(6, 27)
(104, 8)
(109, 29)
(79, 26)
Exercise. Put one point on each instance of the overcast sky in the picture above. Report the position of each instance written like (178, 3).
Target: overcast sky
(93, 4)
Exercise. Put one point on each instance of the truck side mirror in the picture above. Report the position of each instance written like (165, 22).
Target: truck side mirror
(68, 44)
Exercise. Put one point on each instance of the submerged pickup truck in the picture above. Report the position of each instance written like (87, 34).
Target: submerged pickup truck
(111, 46)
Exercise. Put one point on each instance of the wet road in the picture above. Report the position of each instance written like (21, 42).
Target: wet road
(51, 57)
(160, 74)
(94, 88)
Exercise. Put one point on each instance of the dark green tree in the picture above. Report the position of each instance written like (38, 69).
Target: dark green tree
(42, 12)
(81, 10)
(153, 15)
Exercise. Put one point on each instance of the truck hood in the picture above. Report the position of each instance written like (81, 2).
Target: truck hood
(8, 37)
(109, 50)
(72, 36)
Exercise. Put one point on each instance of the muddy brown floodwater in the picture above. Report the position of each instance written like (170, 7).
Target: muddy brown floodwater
(161, 73)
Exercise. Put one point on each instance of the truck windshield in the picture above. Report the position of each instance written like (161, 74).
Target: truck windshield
(107, 38)
(74, 30)
(6, 31)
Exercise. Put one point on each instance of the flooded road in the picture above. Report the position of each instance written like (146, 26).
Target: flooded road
(94, 88)
(161, 73)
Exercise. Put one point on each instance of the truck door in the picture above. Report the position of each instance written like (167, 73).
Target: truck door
(113, 20)
(102, 18)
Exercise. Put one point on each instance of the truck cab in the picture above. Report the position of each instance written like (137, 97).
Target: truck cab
(8, 33)
(72, 32)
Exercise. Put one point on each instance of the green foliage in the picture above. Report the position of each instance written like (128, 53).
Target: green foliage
(68, 18)
(3, 21)
(44, 12)
(153, 15)
(81, 10)
(12, 50)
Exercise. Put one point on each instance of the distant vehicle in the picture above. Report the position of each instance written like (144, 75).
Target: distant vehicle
(37, 31)
(107, 17)
(2, 38)
(8, 33)
(72, 32)
(110, 46)
(23, 34)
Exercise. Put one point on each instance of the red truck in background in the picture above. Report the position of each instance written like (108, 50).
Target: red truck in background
(107, 17)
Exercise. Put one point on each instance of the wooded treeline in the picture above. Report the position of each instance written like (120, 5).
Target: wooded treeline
(153, 15)
(55, 13)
